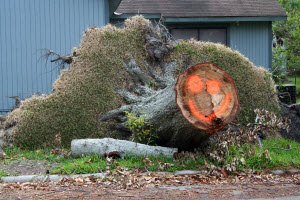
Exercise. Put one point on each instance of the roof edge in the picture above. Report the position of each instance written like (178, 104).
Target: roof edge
(222, 19)
(147, 16)
(203, 19)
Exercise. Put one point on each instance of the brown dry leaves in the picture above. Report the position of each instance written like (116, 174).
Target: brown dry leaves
(125, 180)
(2, 155)
(25, 186)
(62, 152)
(267, 123)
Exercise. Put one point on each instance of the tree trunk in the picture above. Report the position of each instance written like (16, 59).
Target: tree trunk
(207, 97)
(178, 126)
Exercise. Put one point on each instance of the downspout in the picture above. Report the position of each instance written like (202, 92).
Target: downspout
(113, 5)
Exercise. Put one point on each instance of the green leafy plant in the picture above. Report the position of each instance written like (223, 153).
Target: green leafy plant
(142, 130)
(2, 174)
(278, 69)
(287, 34)
(152, 85)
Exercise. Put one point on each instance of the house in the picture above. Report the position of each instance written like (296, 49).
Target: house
(27, 27)
(244, 25)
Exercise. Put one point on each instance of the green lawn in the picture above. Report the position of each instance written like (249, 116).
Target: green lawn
(282, 153)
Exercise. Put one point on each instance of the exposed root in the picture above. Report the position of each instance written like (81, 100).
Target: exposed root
(59, 59)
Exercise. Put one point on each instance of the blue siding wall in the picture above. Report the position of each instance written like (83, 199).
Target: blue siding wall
(252, 39)
(27, 27)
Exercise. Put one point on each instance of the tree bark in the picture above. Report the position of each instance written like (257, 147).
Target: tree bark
(122, 147)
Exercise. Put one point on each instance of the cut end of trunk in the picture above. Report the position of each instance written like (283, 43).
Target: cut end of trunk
(207, 97)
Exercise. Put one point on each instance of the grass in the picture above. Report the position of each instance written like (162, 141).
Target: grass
(3, 173)
(281, 158)
(95, 163)
(257, 159)
(45, 155)
(262, 158)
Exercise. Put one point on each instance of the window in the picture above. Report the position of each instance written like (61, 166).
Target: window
(217, 35)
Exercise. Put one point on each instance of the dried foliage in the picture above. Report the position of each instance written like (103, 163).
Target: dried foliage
(88, 88)
(124, 178)
(2, 155)
(129, 180)
(267, 124)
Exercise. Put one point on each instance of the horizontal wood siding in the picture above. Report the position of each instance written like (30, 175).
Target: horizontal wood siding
(27, 27)
(252, 39)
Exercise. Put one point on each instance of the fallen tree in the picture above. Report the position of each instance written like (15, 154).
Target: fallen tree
(174, 114)
(136, 67)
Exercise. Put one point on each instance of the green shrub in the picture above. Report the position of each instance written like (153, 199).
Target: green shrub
(88, 87)
(142, 131)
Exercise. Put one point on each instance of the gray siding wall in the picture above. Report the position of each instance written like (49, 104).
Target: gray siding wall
(27, 27)
(254, 40)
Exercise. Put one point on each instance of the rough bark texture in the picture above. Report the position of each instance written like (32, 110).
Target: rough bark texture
(123, 147)
(207, 97)
(6, 130)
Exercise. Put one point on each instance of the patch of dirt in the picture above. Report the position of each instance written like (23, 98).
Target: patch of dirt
(26, 167)
(291, 112)
(158, 187)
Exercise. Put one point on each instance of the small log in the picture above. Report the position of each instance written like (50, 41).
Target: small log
(207, 97)
(107, 145)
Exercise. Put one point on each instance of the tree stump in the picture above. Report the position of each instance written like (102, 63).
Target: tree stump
(207, 97)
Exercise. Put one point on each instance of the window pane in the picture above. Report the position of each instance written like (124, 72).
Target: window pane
(213, 35)
(184, 34)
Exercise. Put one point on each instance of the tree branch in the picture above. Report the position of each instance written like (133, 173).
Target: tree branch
(161, 82)
(135, 72)
(60, 59)
(114, 114)
(129, 97)
(145, 91)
